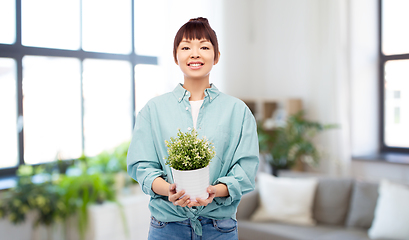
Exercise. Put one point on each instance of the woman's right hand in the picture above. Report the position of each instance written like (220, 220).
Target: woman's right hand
(175, 197)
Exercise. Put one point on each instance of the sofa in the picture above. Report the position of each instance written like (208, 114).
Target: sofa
(342, 209)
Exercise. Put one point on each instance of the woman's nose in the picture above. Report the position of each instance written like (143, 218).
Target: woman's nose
(195, 54)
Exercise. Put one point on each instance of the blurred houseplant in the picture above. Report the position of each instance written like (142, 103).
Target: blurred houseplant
(78, 192)
(291, 143)
(43, 197)
(113, 163)
(54, 195)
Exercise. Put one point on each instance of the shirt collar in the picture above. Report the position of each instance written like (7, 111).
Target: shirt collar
(180, 93)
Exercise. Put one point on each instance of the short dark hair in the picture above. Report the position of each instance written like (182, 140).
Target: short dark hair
(196, 28)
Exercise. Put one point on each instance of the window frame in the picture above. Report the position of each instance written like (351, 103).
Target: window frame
(17, 51)
(383, 59)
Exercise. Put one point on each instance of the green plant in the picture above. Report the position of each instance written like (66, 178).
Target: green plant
(188, 152)
(290, 143)
(63, 165)
(120, 154)
(80, 191)
(3, 209)
(55, 196)
(43, 198)
(104, 163)
(111, 161)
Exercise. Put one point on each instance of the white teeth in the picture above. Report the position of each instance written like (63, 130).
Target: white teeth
(195, 64)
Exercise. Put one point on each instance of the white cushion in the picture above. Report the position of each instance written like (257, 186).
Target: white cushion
(391, 218)
(288, 200)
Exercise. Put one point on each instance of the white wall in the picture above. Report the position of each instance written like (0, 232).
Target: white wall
(280, 49)
(265, 51)
(364, 77)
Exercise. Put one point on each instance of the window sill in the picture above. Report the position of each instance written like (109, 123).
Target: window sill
(390, 158)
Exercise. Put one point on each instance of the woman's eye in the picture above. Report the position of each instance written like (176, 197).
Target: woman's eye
(205, 48)
(185, 48)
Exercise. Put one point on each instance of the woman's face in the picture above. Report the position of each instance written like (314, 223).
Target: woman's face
(195, 58)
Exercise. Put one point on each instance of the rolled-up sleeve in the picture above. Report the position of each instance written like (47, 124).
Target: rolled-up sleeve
(142, 161)
(241, 176)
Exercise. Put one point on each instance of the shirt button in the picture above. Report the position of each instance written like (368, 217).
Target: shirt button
(210, 97)
(186, 93)
(187, 108)
(188, 128)
(180, 99)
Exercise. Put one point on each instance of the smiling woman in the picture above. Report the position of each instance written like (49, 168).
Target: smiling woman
(195, 104)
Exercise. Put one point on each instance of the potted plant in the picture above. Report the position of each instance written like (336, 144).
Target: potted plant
(78, 192)
(189, 158)
(292, 143)
(54, 197)
(113, 162)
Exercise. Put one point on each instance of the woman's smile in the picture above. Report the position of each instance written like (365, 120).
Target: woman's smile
(195, 65)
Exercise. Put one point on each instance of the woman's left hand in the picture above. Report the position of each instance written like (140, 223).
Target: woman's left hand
(204, 202)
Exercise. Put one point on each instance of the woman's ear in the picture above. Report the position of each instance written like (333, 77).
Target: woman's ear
(217, 59)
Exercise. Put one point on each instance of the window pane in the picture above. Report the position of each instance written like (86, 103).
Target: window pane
(8, 110)
(396, 103)
(149, 83)
(395, 36)
(51, 24)
(107, 26)
(7, 21)
(52, 108)
(107, 104)
(150, 39)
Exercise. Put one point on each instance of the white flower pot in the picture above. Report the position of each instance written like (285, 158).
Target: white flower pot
(194, 182)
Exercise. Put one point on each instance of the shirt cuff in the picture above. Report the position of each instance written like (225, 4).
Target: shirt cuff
(147, 184)
(234, 191)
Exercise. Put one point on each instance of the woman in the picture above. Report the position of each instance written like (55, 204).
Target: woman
(224, 120)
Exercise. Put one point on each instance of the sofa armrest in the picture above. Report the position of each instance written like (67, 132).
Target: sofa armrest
(248, 204)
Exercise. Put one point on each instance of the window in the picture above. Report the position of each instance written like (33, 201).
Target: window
(51, 108)
(394, 75)
(8, 111)
(62, 32)
(8, 15)
(67, 85)
(107, 26)
(108, 100)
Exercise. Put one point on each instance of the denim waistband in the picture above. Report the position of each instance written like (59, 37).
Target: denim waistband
(203, 220)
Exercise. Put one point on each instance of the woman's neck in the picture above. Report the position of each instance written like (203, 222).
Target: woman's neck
(196, 88)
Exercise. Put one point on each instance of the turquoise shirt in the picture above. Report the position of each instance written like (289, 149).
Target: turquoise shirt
(224, 120)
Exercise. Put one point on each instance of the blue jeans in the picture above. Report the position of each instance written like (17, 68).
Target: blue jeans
(212, 230)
